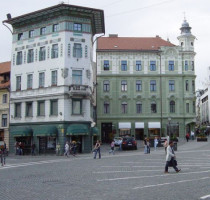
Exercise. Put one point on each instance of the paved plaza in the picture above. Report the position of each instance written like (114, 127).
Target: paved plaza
(128, 175)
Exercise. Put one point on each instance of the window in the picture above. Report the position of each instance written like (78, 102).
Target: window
(30, 55)
(193, 106)
(54, 53)
(124, 65)
(172, 106)
(138, 65)
(77, 27)
(18, 82)
(171, 85)
(4, 120)
(76, 107)
(187, 107)
(17, 110)
(41, 108)
(193, 86)
(186, 65)
(106, 65)
(106, 108)
(138, 85)
(193, 67)
(54, 107)
(4, 98)
(153, 85)
(123, 85)
(42, 53)
(43, 31)
(106, 86)
(54, 77)
(20, 36)
(29, 81)
(19, 58)
(77, 50)
(186, 85)
(152, 65)
(138, 108)
(171, 65)
(153, 107)
(31, 34)
(41, 79)
(55, 28)
(124, 107)
(77, 77)
(29, 109)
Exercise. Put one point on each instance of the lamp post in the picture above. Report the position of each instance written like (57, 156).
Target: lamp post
(169, 127)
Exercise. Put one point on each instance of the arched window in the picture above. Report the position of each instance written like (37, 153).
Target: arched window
(172, 106)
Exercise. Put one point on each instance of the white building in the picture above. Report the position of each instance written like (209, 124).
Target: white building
(52, 76)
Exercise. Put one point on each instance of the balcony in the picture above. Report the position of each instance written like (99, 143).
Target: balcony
(80, 91)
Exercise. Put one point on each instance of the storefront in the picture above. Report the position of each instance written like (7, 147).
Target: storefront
(22, 135)
(154, 129)
(47, 135)
(139, 130)
(125, 129)
(77, 133)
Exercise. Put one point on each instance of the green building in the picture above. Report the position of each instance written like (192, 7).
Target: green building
(146, 86)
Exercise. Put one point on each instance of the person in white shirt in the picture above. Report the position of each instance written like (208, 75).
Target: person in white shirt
(66, 149)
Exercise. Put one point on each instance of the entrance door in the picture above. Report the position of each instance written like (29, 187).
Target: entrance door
(106, 132)
(139, 134)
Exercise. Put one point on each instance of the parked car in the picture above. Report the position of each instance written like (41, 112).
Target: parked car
(129, 143)
(117, 141)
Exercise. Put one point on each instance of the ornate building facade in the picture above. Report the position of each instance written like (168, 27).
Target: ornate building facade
(146, 86)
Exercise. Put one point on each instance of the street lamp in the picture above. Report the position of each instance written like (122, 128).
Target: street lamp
(169, 127)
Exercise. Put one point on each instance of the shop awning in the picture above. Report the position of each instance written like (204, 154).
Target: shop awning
(95, 131)
(154, 125)
(21, 131)
(77, 129)
(124, 125)
(45, 130)
(139, 124)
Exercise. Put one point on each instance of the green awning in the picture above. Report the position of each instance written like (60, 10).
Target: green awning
(21, 131)
(95, 131)
(77, 129)
(45, 130)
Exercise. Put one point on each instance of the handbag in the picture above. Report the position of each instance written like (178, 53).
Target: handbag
(170, 163)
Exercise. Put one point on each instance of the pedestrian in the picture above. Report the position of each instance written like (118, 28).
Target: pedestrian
(165, 145)
(97, 149)
(3, 150)
(66, 153)
(170, 158)
(155, 143)
(192, 135)
(74, 146)
(112, 147)
(187, 136)
(33, 146)
(20, 148)
(145, 145)
(148, 146)
(120, 144)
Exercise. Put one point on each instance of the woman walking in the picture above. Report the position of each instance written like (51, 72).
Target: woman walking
(97, 149)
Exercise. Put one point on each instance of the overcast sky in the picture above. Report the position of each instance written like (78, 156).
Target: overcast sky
(132, 18)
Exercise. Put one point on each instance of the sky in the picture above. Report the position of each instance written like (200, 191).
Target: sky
(132, 18)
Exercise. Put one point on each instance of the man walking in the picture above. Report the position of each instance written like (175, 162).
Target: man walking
(66, 149)
(170, 158)
(3, 154)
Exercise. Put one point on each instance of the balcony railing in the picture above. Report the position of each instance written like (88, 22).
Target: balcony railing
(80, 90)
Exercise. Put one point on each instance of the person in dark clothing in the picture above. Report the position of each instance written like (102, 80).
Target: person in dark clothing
(3, 154)
(33, 146)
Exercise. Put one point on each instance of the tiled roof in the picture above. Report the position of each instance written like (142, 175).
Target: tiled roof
(5, 67)
(131, 43)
